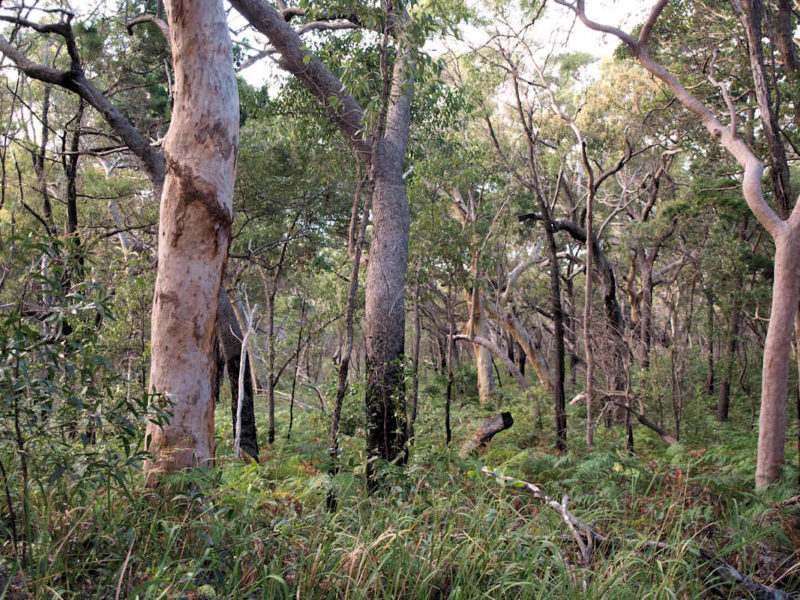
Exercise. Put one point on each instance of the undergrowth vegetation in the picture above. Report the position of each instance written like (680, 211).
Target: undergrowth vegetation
(440, 529)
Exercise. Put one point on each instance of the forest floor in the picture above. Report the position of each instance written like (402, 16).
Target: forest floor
(441, 528)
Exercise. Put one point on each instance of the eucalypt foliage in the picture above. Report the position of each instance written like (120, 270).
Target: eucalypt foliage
(70, 429)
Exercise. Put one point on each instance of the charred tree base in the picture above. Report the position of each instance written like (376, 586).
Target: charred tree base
(481, 437)
(386, 437)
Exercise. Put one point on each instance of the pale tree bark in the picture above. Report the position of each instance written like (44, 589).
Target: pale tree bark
(503, 313)
(797, 392)
(785, 233)
(495, 350)
(194, 234)
(478, 326)
(154, 165)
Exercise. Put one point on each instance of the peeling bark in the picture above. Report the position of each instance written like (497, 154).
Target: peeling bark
(195, 222)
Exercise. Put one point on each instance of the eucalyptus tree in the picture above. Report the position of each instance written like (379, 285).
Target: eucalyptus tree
(195, 227)
(378, 141)
(194, 179)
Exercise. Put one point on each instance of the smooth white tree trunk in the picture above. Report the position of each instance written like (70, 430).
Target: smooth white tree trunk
(194, 233)
(483, 356)
(777, 354)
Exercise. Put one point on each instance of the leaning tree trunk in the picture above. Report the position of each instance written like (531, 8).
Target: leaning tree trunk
(195, 223)
(386, 279)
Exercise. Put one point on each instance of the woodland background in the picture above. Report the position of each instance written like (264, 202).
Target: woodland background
(634, 466)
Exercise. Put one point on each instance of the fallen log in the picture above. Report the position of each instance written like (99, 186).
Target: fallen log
(490, 427)
(664, 435)
(586, 538)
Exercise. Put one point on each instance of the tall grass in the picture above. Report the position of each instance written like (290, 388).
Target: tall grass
(440, 530)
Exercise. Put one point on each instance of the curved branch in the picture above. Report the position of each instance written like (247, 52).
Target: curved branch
(300, 62)
(496, 351)
(147, 18)
(753, 168)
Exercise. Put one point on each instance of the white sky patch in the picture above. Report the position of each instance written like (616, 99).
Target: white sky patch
(566, 35)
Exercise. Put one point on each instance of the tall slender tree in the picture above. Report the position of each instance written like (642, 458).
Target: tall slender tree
(194, 234)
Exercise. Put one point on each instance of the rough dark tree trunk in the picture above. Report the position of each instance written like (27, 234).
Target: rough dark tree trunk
(384, 148)
(559, 397)
(230, 336)
(645, 310)
(385, 280)
(296, 367)
(728, 361)
(412, 415)
(710, 343)
(344, 364)
(451, 322)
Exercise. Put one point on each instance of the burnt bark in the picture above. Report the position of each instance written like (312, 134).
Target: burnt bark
(490, 427)
(296, 367)
(729, 360)
(230, 336)
(645, 309)
(451, 322)
(710, 343)
(344, 364)
(611, 307)
(559, 397)
(412, 415)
